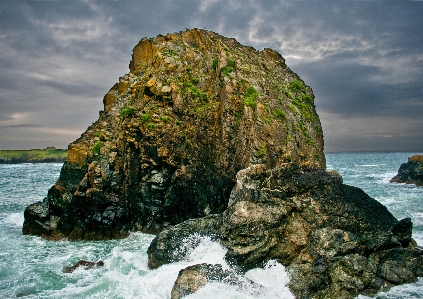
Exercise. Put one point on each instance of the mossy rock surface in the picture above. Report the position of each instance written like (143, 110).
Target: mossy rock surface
(195, 108)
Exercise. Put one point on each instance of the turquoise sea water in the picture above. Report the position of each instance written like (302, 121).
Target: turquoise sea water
(33, 268)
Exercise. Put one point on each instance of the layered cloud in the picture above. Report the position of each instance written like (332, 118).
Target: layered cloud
(364, 61)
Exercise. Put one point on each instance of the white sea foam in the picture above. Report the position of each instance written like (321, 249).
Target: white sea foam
(126, 275)
(274, 278)
(409, 291)
(13, 220)
(208, 251)
(418, 218)
(385, 178)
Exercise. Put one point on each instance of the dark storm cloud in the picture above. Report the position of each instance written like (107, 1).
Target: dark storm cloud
(363, 60)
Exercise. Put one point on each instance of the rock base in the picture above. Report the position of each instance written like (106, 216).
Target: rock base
(334, 240)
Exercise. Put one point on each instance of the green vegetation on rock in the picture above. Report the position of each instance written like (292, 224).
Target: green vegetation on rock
(145, 118)
(96, 147)
(215, 63)
(297, 85)
(305, 109)
(229, 68)
(261, 152)
(279, 114)
(127, 112)
(250, 97)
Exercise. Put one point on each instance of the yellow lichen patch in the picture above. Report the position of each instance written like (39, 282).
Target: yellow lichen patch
(77, 155)
(143, 55)
(416, 158)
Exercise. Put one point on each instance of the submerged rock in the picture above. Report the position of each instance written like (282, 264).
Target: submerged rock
(410, 172)
(335, 241)
(83, 264)
(194, 109)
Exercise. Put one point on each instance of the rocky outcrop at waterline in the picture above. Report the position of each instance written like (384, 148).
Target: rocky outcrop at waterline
(334, 240)
(196, 115)
(194, 109)
(82, 264)
(410, 172)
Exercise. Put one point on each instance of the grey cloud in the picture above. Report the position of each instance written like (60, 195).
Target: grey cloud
(21, 126)
(362, 59)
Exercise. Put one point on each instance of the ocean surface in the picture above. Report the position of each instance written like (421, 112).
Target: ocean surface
(31, 267)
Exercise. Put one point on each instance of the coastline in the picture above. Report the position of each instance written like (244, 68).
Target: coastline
(48, 155)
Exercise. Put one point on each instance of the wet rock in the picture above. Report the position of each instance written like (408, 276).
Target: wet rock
(83, 264)
(173, 244)
(410, 172)
(403, 231)
(195, 277)
(334, 240)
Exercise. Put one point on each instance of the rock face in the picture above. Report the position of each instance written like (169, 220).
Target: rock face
(194, 109)
(410, 172)
(335, 241)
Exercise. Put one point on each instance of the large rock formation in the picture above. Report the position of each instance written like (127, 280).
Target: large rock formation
(194, 109)
(197, 115)
(335, 240)
(410, 172)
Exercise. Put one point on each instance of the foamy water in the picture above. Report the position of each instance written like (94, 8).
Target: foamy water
(33, 267)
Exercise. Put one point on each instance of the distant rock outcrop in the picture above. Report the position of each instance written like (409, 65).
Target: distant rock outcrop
(410, 172)
(194, 109)
(47, 155)
(335, 240)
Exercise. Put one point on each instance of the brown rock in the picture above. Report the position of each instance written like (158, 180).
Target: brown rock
(195, 109)
(334, 240)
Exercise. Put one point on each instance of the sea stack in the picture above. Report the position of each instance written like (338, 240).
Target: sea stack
(195, 109)
(410, 172)
(207, 137)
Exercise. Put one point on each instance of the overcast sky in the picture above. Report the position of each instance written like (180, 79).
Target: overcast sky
(363, 60)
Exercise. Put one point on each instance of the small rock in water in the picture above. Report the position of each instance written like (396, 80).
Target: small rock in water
(84, 264)
(410, 172)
